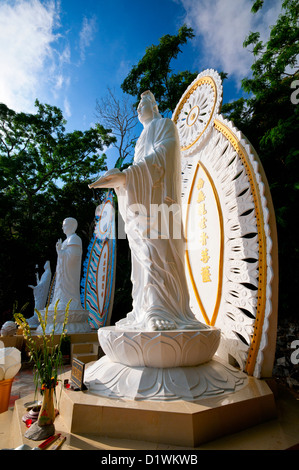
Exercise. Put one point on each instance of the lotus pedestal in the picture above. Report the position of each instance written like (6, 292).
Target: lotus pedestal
(165, 387)
(161, 365)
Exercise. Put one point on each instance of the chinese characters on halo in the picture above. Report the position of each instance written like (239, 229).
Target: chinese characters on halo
(203, 237)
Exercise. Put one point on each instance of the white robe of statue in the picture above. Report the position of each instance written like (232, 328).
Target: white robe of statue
(40, 292)
(160, 292)
(68, 268)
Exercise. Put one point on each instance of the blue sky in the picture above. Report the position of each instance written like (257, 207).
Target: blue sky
(66, 53)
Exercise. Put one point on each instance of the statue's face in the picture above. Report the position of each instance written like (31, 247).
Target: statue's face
(67, 226)
(145, 110)
(64, 226)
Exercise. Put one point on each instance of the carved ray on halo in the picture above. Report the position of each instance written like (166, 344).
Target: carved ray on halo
(231, 241)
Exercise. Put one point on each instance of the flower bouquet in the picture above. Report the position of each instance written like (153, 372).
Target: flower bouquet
(47, 361)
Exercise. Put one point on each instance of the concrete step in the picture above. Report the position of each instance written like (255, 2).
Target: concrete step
(85, 352)
(80, 348)
(84, 337)
(86, 358)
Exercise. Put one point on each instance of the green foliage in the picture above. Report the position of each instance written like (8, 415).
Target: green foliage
(279, 55)
(257, 5)
(270, 120)
(36, 151)
(153, 72)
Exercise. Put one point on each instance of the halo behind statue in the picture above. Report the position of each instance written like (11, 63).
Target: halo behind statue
(195, 113)
(97, 284)
(231, 245)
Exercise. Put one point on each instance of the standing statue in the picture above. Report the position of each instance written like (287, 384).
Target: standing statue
(67, 285)
(160, 292)
(40, 292)
(68, 269)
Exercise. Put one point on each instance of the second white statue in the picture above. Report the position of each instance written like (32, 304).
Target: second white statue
(67, 284)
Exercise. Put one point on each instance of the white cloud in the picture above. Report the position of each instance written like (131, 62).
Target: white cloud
(67, 107)
(222, 26)
(86, 35)
(31, 64)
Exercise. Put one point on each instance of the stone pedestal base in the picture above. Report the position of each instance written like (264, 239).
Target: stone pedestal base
(176, 423)
(166, 387)
(77, 322)
(33, 322)
(161, 365)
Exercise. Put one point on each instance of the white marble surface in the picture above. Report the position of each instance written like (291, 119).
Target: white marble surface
(162, 349)
(112, 379)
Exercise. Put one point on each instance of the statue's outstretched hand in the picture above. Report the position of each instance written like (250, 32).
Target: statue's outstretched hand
(110, 180)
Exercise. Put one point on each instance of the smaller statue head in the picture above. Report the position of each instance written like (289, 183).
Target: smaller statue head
(47, 265)
(69, 226)
(147, 108)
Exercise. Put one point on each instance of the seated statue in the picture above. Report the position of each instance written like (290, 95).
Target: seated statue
(40, 292)
(68, 269)
(153, 182)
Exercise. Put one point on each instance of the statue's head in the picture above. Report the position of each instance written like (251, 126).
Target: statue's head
(69, 225)
(147, 108)
(47, 265)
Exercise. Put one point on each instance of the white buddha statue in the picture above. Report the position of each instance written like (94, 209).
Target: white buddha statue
(68, 268)
(160, 293)
(40, 292)
(67, 284)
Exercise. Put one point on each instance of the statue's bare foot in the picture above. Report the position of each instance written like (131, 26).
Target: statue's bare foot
(157, 324)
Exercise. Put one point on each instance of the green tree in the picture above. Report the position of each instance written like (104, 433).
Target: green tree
(277, 58)
(270, 120)
(153, 72)
(36, 152)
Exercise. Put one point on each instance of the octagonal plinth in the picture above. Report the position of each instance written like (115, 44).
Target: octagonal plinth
(161, 349)
(181, 422)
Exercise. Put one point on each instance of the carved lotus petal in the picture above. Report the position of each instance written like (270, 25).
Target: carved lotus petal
(162, 351)
(110, 379)
(175, 348)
